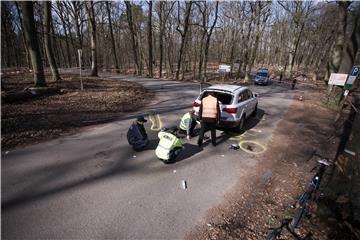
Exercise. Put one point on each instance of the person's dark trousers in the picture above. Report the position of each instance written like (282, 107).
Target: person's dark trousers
(207, 124)
(174, 153)
(193, 125)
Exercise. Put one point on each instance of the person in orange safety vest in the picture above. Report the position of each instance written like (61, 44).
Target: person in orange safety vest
(209, 115)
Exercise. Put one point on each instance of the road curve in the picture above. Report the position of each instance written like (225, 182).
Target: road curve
(92, 185)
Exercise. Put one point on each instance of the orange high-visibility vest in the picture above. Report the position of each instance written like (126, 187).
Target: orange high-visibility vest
(209, 107)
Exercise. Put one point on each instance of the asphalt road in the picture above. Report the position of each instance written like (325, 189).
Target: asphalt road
(93, 185)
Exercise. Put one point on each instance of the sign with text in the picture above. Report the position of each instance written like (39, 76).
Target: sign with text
(223, 68)
(338, 79)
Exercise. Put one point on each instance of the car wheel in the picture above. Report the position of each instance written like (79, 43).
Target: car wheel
(254, 113)
(240, 127)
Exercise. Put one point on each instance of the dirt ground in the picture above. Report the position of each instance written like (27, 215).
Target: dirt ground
(51, 116)
(263, 199)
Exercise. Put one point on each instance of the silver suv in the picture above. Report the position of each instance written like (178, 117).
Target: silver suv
(236, 104)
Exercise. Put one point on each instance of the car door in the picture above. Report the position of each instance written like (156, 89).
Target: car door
(252, 101)
(242, 103)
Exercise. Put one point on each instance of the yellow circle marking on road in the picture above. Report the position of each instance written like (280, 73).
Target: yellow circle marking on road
(241, 143)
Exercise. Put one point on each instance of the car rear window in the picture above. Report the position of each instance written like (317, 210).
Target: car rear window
(224, 98)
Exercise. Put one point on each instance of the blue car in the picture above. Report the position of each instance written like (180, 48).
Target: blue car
(262, 76)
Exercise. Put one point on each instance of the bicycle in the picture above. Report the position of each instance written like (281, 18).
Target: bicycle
(276, 232)
(301, 204)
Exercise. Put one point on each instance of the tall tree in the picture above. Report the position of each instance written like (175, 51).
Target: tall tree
(183, 32)
(92, 21)
(299, 12)
(352, 48)
(208, 37)
(150, 44)
(337, 53)
(112, 36)
(134, 37)
(260, 9)
(60, 12)
(32, 43)
(21, 28)
(47, 41)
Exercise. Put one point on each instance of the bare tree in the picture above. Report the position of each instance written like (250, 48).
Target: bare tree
(150, 45)
(112, 36)
(337, 53)
(260, 9)
(92, 20)
(47, 42)
(353, 46)
(299, 12)
(183, 32)
(32, 43)
(134, 37)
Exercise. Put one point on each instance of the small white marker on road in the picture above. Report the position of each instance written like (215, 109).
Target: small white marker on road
(134, 156)
(6, 152)
(174, 171)
(223, 155)
(208, 224)
(184, 184)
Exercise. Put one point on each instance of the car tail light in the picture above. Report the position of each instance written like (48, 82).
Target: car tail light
(196, 104)
(230, 110)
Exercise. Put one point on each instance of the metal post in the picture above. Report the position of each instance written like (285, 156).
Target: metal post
(80, 57)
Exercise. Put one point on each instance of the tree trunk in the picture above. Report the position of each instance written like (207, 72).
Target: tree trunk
(32, 43)
(92, 20)
(133, 37)
(47, 41)
(23, 36)
(336, 56)
(112, 37)
(293, 51)
(352, 48)
(161, 37)
(150, 44)
(67, 46)
(183, 37)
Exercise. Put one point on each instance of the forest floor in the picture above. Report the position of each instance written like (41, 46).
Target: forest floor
(50, 116)
(263, 199)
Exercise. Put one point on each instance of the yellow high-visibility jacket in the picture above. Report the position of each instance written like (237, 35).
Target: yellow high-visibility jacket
(168, 142)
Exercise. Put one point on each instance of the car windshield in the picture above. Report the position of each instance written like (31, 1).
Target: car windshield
(224, 98)
(262, 74)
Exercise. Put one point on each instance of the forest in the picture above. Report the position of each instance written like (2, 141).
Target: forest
(182, 40)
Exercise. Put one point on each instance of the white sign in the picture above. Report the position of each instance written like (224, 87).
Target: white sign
(338, 79)
(80, 56)
(236, 65)
(224, 68)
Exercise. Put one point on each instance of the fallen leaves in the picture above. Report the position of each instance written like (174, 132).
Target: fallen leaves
(48, 117)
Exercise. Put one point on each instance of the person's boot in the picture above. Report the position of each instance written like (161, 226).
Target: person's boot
(199, 143)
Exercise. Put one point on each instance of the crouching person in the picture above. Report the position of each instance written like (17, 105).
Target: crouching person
(187, 124)
(169, 146)
(136, 134)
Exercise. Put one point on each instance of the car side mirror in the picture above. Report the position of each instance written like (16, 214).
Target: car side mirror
(256, 95)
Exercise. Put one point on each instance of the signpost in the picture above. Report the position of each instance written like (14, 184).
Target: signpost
(223, 69)
(80, 57)
(354, 74)
(338, 79)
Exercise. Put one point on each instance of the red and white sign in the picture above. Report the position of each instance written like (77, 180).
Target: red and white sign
(338, 79)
